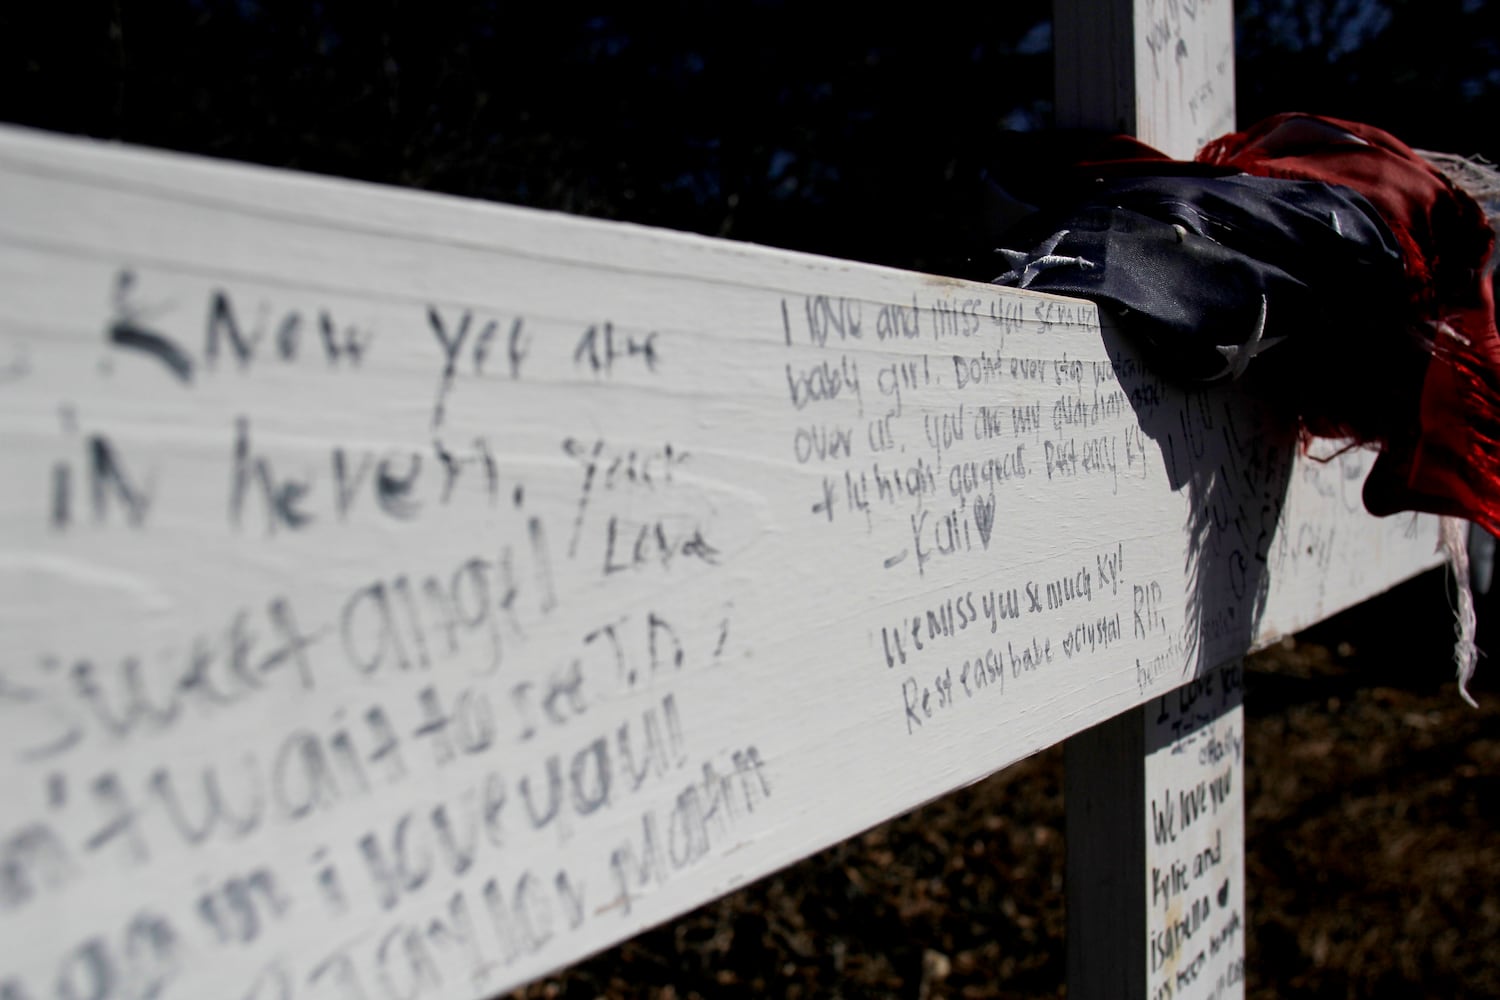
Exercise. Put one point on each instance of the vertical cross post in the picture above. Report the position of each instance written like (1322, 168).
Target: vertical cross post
(1155, 816)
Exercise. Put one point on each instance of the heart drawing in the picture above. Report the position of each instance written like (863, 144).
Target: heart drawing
(984, 518)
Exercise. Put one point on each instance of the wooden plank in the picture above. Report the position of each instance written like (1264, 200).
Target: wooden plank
(1156, 876)
(1094, 60)
(1195, 847)
(1105, 774)
(407, 596)
(1161, 70)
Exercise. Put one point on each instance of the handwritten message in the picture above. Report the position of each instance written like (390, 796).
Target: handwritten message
(1195, 937)
(1185, 71)
(407, 597)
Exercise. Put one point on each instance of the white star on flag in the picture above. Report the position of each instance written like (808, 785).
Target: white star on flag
(1024, 267)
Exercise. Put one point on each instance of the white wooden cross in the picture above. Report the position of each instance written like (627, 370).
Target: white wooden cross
(406, 597)
(1155, 796)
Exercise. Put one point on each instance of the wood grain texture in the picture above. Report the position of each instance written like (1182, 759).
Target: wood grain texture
(1106, 789)
(406, 596)
(1094, 60)
(1161, 70)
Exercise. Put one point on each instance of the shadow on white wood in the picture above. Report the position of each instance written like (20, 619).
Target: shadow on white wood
(408, 596)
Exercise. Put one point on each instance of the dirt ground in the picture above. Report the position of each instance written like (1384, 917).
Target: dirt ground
(1373, 865)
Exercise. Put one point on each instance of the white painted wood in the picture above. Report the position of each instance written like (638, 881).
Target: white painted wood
(734, 553)
(1195, 841)
(1161, 70)
(1156, 847)
(1156, 892)
(1164, 71)
(1184, 72)
(1105, 786)
(1093, 68)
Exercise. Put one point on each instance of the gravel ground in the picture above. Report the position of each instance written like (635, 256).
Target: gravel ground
(1372, 802)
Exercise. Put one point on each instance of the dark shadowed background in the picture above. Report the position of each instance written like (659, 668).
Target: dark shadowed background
(834, 128)
(1373, 794)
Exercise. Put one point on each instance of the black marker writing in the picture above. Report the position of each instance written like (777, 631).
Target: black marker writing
(451, 345)
(126, 330)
